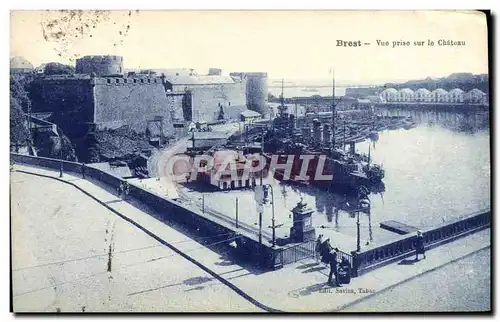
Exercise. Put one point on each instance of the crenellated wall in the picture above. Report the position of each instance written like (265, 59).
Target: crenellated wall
(107, 102)
(133, 102)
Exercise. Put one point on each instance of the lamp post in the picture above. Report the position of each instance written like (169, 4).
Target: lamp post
(272, 218)
(358, 237)
(236, 212)
(261, 175)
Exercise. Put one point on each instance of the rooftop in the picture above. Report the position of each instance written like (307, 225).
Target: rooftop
(210, 135)
(198, 80)
(250, 113)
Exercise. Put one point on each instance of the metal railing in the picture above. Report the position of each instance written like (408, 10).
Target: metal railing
(298, 252)
(378, 256)
(221, 216)
(341, 255)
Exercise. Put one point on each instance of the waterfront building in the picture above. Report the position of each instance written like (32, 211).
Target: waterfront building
(248, 116)
(456, 95)
(476, 96)
(222, 176)
(389, 94)
(439, 96)
(405, 95)
(422, 95)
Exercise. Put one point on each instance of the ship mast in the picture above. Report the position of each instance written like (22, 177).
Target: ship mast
(282, 92)
(333, 108)
(282, 106)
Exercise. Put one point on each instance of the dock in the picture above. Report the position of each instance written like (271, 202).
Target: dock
(397, 227)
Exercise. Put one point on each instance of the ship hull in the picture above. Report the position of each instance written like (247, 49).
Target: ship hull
(345, 177)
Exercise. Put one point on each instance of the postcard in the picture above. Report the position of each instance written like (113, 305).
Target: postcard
(250, 161)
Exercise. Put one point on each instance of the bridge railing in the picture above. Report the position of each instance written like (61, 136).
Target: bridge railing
(378, 256)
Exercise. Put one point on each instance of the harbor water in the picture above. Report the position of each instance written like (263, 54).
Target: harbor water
(434, 173)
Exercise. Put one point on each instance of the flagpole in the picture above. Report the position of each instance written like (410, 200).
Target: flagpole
(333, 107)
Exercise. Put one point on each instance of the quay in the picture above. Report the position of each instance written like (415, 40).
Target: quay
(247, 242)
(297, 287)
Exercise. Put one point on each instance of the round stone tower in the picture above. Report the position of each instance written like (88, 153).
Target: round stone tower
(100, 65)
(257, 91)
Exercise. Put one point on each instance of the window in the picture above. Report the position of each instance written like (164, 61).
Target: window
(118, 81)
(149, 80)
(109, 81)
(142, 81)
(135, 81)
(125, 81)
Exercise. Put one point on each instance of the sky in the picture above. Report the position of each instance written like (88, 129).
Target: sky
(285, 44)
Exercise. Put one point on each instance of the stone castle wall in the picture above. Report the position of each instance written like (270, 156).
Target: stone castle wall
(100, 65)
(133, 102)
(207, 98)
(70, 99)
(111, 102)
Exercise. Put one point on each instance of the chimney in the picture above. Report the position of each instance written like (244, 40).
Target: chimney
(317, 131)
(327, 134)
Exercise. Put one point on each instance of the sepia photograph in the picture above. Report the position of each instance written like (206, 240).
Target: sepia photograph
(250, 161)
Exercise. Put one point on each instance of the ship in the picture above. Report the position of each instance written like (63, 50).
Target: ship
(347, 169)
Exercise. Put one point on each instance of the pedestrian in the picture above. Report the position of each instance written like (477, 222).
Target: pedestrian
(83, 170)
(325, 251)
(120, 189)
(332, 260)
(419, 245)
(317, 249)
(126, 189)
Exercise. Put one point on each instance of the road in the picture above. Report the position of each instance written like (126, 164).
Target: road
(460, 286)
(70, 254)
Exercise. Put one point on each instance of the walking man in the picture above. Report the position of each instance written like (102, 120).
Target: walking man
(333, 268)
(419, 245)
